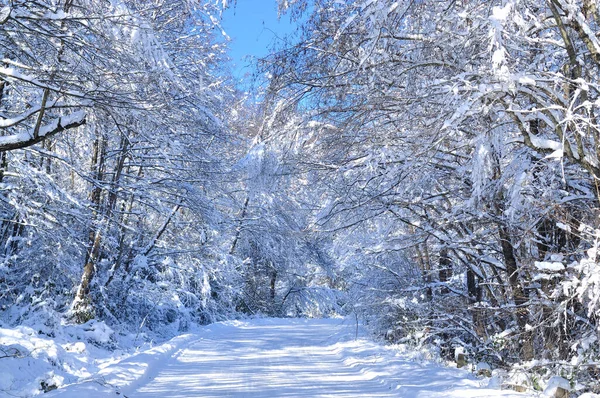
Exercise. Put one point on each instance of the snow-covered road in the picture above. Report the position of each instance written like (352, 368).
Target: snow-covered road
(279, 358)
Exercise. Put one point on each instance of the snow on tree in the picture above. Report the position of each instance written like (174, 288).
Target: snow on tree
(470, 128)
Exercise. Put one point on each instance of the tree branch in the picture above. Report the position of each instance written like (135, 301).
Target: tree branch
(27, 139)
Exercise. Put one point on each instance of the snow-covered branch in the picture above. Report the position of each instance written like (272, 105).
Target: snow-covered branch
(29, 138)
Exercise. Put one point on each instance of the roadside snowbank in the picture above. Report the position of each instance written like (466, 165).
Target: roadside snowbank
(34, 360)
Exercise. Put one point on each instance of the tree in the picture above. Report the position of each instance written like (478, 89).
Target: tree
(138, 176)
(448, 120)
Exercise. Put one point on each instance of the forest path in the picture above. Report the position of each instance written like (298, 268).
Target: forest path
(297, 358)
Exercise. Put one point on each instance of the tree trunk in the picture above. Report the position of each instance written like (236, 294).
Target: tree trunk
(238, 230)
(124, 255)
(445, 269)
(83, 306)
(272, 285)
(518, 293)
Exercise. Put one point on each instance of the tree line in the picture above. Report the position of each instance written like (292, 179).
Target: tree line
(432, 166)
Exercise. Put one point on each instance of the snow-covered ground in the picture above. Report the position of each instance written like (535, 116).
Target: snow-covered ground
(256, 358)
(32, 357)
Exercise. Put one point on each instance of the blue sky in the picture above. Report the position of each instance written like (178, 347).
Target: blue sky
(253, 27)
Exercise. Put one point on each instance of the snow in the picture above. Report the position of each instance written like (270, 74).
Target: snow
(498, 57)
(543, 143)
(564, 227)
(278, 357)
(59, 15)
(554, 384)
(4, 14)
(500, 14)
(526, 80)
(99, 332)
(549, 266)
(497, 21)
(28, 357)
(73, 118)
(558, 154)
(15, 138)
(590, 34)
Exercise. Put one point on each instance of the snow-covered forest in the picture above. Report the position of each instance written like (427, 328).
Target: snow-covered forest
(430, 168)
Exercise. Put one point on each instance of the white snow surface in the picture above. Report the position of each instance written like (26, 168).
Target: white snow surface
(549, 266)
(554, 383)
(277, 358)
(28, 356)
